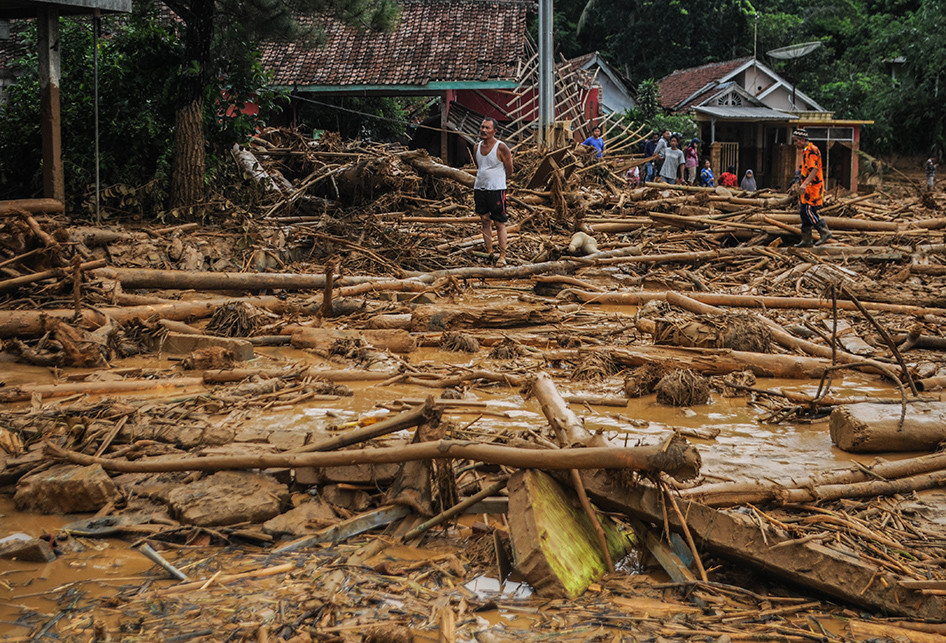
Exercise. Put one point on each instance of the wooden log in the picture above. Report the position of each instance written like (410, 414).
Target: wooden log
(864, 631)
(555, 544)
(16, 282)
(563, 420)
(869, 428)
(860, 225)
(714, 361)
(823, 486)
(741, 538)
(322, 339)
(33, 206)
(436, 318)
(134, 278)
(931, 384)
(102, 237)
(782, 337)
(20, 323)
(421, 161)
(636, 298)
(412, 417)
(672, 461)
(46, 391)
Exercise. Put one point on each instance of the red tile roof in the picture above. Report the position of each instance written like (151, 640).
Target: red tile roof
(683, 83)
(434, 40)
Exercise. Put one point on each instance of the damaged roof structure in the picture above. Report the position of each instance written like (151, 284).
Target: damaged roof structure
(474, 55)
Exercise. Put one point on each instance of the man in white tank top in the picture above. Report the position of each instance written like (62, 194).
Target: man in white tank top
(494, 166)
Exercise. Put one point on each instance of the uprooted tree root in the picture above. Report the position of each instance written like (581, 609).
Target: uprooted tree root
(507, 349)
(459, 342)
(594, 366)
(643, 379)
(733, 384)
(737, 331)
(237, 319)
(683, 387)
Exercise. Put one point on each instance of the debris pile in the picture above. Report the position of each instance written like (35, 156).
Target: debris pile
(249, 407)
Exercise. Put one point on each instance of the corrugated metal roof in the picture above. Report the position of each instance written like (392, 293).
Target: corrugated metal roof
(745, 113)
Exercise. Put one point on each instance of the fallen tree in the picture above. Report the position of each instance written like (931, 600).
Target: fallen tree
(672, 461)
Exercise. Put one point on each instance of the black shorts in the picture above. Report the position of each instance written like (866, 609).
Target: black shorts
(492, 202)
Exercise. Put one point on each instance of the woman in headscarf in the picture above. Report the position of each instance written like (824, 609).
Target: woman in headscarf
(748, 182)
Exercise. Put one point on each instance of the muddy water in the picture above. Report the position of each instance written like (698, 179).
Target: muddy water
(97, 567)
(744, 447)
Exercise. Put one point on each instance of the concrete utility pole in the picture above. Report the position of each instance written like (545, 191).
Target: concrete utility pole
(47, 32)
(546, 74)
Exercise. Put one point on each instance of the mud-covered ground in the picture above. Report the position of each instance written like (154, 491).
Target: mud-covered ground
(415, 308)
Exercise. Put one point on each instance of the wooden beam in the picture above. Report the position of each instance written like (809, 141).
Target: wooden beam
(738, 537)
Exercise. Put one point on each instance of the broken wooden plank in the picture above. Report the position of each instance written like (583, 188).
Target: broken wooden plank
(556, 547)
(348, 528)
(737, 536)
(668, 560)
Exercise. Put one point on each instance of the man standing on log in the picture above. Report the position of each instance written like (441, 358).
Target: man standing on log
(494, 166)
(811, 190)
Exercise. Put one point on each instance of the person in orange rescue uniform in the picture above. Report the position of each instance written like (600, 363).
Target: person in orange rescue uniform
(811, 190)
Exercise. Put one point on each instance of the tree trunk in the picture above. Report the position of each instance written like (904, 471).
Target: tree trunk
(647, 458)
(870, 428)
(741, 538)
(187, 177)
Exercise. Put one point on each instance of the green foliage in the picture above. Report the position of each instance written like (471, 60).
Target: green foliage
(135, 116)
(850, 74)
(370, 118)
(648, 98)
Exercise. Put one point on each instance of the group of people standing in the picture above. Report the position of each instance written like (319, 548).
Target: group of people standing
(665, 162)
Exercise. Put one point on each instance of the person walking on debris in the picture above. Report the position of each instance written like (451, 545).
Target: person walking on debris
(930, 173)
(494, 167)
(706, 175)
(672, 169)
(748, 182)
(811, 190)
(595, 141)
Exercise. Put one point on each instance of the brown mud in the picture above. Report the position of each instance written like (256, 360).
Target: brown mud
(326, 315)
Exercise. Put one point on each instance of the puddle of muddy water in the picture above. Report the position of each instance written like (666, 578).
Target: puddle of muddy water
(98, 569)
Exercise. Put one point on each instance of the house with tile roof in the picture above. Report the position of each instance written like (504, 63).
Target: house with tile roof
(746, 112)
(470, 53)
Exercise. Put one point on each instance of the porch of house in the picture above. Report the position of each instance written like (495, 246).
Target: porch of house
(765, 147)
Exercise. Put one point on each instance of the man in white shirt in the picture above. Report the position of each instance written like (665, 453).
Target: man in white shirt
(494, 166)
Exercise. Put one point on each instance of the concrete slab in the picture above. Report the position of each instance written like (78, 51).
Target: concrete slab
(185, 344)
(66, 489)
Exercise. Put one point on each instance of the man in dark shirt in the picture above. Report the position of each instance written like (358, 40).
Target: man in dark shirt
(649, 147)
